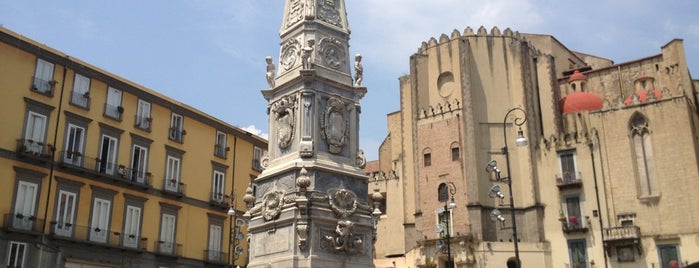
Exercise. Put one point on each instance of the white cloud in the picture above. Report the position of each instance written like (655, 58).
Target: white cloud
(255, 131)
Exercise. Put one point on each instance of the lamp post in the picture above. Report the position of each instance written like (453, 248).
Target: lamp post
(492, 167)
(442, 211)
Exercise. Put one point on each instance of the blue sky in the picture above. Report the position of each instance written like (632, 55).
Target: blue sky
(210, 53)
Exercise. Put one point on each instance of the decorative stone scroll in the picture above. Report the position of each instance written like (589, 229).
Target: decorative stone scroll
(344, 240)
(343, 202)
(284, 112)
(334, 125)
(271, 205)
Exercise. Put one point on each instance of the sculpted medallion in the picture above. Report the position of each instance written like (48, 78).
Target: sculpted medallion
(334, 125)
(343, 202)
(284, 115)
(290, 50)
(332, 52)
(272, 204)
(328, 12)
(295, 12)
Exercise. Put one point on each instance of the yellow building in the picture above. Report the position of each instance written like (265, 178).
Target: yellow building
(98, 171)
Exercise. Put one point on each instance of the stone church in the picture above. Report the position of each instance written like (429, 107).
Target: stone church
(607, 178)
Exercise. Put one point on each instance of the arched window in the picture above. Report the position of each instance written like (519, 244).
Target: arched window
(643, 153)
(442, 193)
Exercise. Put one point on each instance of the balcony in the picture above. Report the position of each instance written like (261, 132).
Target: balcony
(173, 186)
(77, 162)
(168, 248)
(85, 234)
(37, 150)
(220, 150)
(80, 99)
(217, 257)
(567, 180)
(113, 111)
(143, 122)
(573, 224)
(22, 223)
(43, 86)
(219, 199)
(622, 235)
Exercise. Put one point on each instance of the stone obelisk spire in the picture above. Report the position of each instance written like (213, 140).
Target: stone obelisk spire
(309, 206)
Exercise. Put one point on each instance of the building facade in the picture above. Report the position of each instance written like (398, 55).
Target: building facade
(604, 181)
(101, 172)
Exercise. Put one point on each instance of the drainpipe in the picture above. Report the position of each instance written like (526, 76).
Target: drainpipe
(53, 148)
(599, 208)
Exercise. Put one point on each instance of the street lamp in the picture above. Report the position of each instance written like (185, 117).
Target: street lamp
(492, 167)
(447, 233)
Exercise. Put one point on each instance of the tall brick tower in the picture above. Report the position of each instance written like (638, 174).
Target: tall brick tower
(309, 206)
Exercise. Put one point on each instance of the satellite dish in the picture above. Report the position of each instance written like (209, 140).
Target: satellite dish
(440, 244)
(238, 250)
(239, 236)
(439, 210)
(239, 222)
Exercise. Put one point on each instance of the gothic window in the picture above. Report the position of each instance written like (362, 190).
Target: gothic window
(643, 154)
(442, 194)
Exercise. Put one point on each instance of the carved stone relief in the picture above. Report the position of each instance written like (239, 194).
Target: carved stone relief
(290, 51)
(343, 202)
(272, 203)
(343, 240)
(284, 112)
(295, 12)
(334, 125)
(332, 52)
(328, 12)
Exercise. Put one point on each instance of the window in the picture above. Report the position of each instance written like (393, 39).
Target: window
(16, 253)
(444, 220)
(25, 205)
(143, 118)
(574, 216)
(625, 253)
(427, 157)
(107, 155)
(626, 219)
(643, 152)
(65, 213)
(220, 147)
(455, 154)
(113, 107)
(81, 91)
(43, 77)
(176, 124)
(214, 252)
(167, 234)
(578, 253)
(132, 226)
(668, 256)
(218, 183)
(568, 170)
(99, 226)
(256, 158)
(442, 192)
(35, 133)
(75, 137)
(172, 174)
(139, 164)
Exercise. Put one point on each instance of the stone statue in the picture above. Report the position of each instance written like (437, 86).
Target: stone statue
(270, 71)
(358, 70)
(306, 53)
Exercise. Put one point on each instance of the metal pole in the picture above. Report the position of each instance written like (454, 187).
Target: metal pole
(518, 121)
(449, 263)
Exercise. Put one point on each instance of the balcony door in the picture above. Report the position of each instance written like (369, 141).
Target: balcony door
(74, 145)
(99, 228)
(25, 205)
(64, 213)
(35, 132)
(167, 234)
(132, 225)
(214, 243)
(108, 150)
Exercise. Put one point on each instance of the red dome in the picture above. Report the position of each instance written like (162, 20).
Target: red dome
(643, 96)
(580, 101)
(577, 75)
